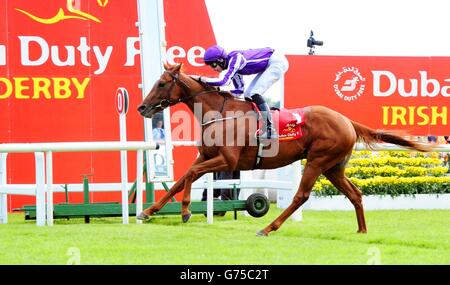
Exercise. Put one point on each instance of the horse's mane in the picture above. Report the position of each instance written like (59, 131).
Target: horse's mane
(208, 87)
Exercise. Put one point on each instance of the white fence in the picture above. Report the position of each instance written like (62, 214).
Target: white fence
(44, 173)
(384, 202)
(44, 188)
(380, 202)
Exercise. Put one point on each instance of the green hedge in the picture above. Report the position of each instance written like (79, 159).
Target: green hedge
(393, 186)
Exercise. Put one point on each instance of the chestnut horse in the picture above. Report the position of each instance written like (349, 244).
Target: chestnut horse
(327, 143)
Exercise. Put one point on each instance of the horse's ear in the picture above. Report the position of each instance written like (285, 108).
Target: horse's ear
(177, 67)
(166, 65)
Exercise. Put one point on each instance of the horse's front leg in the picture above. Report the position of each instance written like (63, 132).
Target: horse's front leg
(177, 187)
(215, 164)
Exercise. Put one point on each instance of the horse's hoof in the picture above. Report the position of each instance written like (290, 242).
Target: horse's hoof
(143, 216)
(261, 233)
(186, 218)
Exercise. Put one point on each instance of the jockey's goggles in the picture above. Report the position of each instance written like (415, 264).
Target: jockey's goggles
(213, 64)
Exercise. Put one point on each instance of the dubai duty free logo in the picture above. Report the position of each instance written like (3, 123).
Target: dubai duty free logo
(349, 84)
(72, 11)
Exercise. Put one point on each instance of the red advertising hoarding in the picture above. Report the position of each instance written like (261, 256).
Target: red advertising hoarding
(62, 61)
(407, 93)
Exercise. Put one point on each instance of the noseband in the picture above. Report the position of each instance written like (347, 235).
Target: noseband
(166, 102)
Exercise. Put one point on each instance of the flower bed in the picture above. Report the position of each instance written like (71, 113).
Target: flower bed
(390, 186)
(393, 173)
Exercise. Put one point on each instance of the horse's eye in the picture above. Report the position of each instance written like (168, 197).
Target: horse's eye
(161, 84)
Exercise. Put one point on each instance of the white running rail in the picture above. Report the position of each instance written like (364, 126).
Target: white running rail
(44, 173)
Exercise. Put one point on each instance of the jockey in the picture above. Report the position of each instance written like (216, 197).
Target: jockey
(269, 66)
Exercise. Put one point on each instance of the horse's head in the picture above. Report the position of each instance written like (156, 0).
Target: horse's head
(167, 91)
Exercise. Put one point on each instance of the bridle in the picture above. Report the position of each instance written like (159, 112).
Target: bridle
(167, 102)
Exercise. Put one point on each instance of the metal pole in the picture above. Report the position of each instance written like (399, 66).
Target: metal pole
(153, 49)
(150, 192)
(296, 177)
(4, 196)
(49, 173)
(124, 170)
(40, 188)
(77, 146)
(86, 200)
(210, 198)
(139, 178)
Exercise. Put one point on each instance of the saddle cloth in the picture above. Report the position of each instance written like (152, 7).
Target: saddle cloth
(288, 122)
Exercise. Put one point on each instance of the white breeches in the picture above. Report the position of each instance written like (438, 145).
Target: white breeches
(277, 67)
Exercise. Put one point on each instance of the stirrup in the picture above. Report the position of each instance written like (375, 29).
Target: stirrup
(262, 135)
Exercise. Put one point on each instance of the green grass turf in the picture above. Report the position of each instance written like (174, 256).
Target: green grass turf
(323, 237)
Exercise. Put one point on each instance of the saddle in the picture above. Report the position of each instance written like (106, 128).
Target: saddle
(288, 122)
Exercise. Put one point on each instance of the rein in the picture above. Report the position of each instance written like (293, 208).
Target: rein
(166, 102)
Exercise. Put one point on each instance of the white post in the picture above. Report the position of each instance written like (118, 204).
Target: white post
(153, 54)
(122, 103)
(139, 178)
(124, 169)
(296, 177)
(210, 198)
(49, 180)
(40, 188)
(3, 196)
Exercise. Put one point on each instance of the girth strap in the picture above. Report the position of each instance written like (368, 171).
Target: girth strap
(258, 144)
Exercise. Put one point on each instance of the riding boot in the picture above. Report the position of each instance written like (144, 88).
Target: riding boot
(268, 131)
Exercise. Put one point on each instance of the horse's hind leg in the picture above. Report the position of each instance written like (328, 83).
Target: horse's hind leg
(337, 176)
(310, 175)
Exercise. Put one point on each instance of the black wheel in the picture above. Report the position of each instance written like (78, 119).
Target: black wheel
(257, 205)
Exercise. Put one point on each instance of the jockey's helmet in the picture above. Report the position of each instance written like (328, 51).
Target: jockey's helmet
(215, 53)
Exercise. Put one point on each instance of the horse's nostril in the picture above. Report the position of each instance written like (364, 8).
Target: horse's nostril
(141, 108)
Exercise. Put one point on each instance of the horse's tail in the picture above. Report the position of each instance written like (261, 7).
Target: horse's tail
(370, 136)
